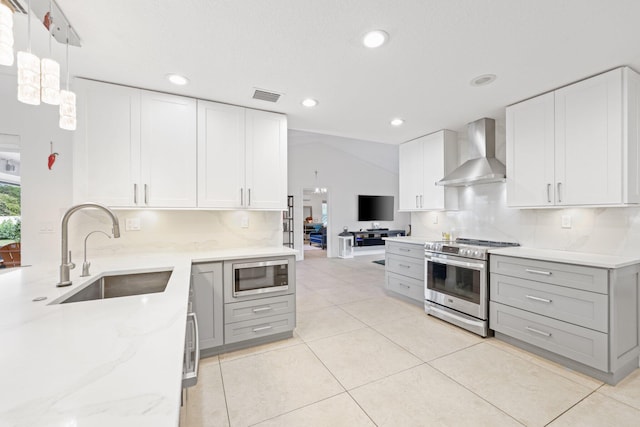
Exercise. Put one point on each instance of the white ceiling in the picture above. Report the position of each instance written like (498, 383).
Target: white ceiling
(312, 48)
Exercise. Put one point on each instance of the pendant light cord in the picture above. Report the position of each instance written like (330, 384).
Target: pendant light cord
(67, 59)
(29, 26)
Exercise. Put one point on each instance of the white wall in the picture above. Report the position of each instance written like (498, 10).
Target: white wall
(45, 193)
(346, 167)
(484, 214)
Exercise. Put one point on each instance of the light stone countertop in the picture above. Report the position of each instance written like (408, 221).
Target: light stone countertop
(114, 362)
(568, 257)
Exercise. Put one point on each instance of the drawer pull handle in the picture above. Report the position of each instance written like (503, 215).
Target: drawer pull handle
(264, 328)
(404, 286)
(404, 265)
(537, 298)
(544, 273)
(405, 250)
(546, 334)
(261, 309)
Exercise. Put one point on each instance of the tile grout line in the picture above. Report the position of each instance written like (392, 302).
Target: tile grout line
(571, 407)
(224, 391)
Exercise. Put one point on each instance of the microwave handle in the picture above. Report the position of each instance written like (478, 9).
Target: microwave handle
(474, 265)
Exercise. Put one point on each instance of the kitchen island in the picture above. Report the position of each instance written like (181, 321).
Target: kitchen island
(106, 362)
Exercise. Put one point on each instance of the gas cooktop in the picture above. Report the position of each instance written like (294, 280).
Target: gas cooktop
(470, 248)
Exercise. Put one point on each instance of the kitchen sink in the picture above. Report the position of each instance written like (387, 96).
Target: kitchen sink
(121, 285)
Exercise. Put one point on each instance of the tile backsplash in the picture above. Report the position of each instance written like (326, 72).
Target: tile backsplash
(163, 230)
(484, 214)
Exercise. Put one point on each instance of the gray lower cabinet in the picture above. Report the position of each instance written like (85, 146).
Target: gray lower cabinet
(580, 316)
(404, 269)
(208, 303)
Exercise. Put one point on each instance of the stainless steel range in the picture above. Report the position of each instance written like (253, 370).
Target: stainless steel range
(457, 282)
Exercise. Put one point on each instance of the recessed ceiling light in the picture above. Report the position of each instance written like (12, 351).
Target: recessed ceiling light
(483, 80)
(375, 38)
(397, 122)
(177, 79)
(309, 102)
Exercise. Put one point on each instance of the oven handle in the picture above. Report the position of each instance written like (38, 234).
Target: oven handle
(448, 261)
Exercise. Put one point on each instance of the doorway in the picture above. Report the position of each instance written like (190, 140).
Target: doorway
(315, 222)
(10, 205)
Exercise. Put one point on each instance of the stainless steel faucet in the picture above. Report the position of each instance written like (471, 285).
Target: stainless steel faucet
(66, 265)
(86, 264)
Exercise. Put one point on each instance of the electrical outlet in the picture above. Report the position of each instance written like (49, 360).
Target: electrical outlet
(435, 218)
(566, 221)
(244, 221)
(132, 224)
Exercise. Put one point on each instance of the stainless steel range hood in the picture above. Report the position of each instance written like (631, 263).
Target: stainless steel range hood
(483, 167)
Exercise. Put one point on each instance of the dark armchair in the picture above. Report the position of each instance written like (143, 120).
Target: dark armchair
(319, 238)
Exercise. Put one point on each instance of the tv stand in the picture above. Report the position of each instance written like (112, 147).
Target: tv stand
(362, 239)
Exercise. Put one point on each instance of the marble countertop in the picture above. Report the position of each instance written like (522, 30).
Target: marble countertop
(568, 257)
(113, 362)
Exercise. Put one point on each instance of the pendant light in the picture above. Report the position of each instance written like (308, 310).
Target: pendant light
(67, 100)
(318, 189)
(28, 70)
(6, 35)
(49, 69)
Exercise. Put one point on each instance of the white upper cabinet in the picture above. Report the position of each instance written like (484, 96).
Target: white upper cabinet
(221, 154)
(168, 150)
(242, 158)
(423, 162)
(106, 144)
(134, 148)
(576, 146)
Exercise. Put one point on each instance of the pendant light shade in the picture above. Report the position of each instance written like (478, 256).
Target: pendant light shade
(50, 81)
(6, 36)
(67, 110)
(28, 78)
(28, 71)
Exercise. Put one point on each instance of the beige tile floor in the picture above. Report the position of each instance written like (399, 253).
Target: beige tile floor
(374, 359)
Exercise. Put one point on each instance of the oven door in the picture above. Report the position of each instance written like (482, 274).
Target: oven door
(260, 277)
(458, 283)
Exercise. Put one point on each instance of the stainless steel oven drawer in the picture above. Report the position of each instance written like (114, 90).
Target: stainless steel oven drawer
(405, 266)
(258, 308)
(569, 275)
(588, 309)
(407, 286)
(580, 344)
(256, 328)
(405, 249)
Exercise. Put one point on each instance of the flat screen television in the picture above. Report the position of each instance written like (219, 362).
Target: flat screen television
(375, 208)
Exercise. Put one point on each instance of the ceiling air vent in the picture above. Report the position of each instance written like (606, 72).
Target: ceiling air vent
(264, 95)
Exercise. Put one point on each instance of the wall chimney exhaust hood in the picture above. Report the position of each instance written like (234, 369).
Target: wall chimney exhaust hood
(483, 167)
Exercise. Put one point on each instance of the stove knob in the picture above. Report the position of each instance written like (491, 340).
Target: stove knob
(462, 252)
(476, 254)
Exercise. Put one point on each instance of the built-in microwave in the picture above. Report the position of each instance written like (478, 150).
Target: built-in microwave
(258, 278)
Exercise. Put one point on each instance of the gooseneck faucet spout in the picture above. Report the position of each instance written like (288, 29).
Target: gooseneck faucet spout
(65, 264)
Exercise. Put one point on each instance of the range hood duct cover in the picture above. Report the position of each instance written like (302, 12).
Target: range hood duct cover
(483, 167)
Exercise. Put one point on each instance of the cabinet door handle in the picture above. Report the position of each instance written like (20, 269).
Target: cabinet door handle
(538, 298)
(417, 206)
(241, 197)
(264, 328)
(544, 273)
(559, 194)
(261, 309)
(249, 197)
(549, 193)
(146, 194)
(135, 194)
(536, 331)
(421, 204)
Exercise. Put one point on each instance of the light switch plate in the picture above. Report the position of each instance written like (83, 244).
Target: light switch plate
(244, 220)
(435, 218)
(566, 221)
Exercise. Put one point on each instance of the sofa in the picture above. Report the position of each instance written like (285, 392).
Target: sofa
(319, 238)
